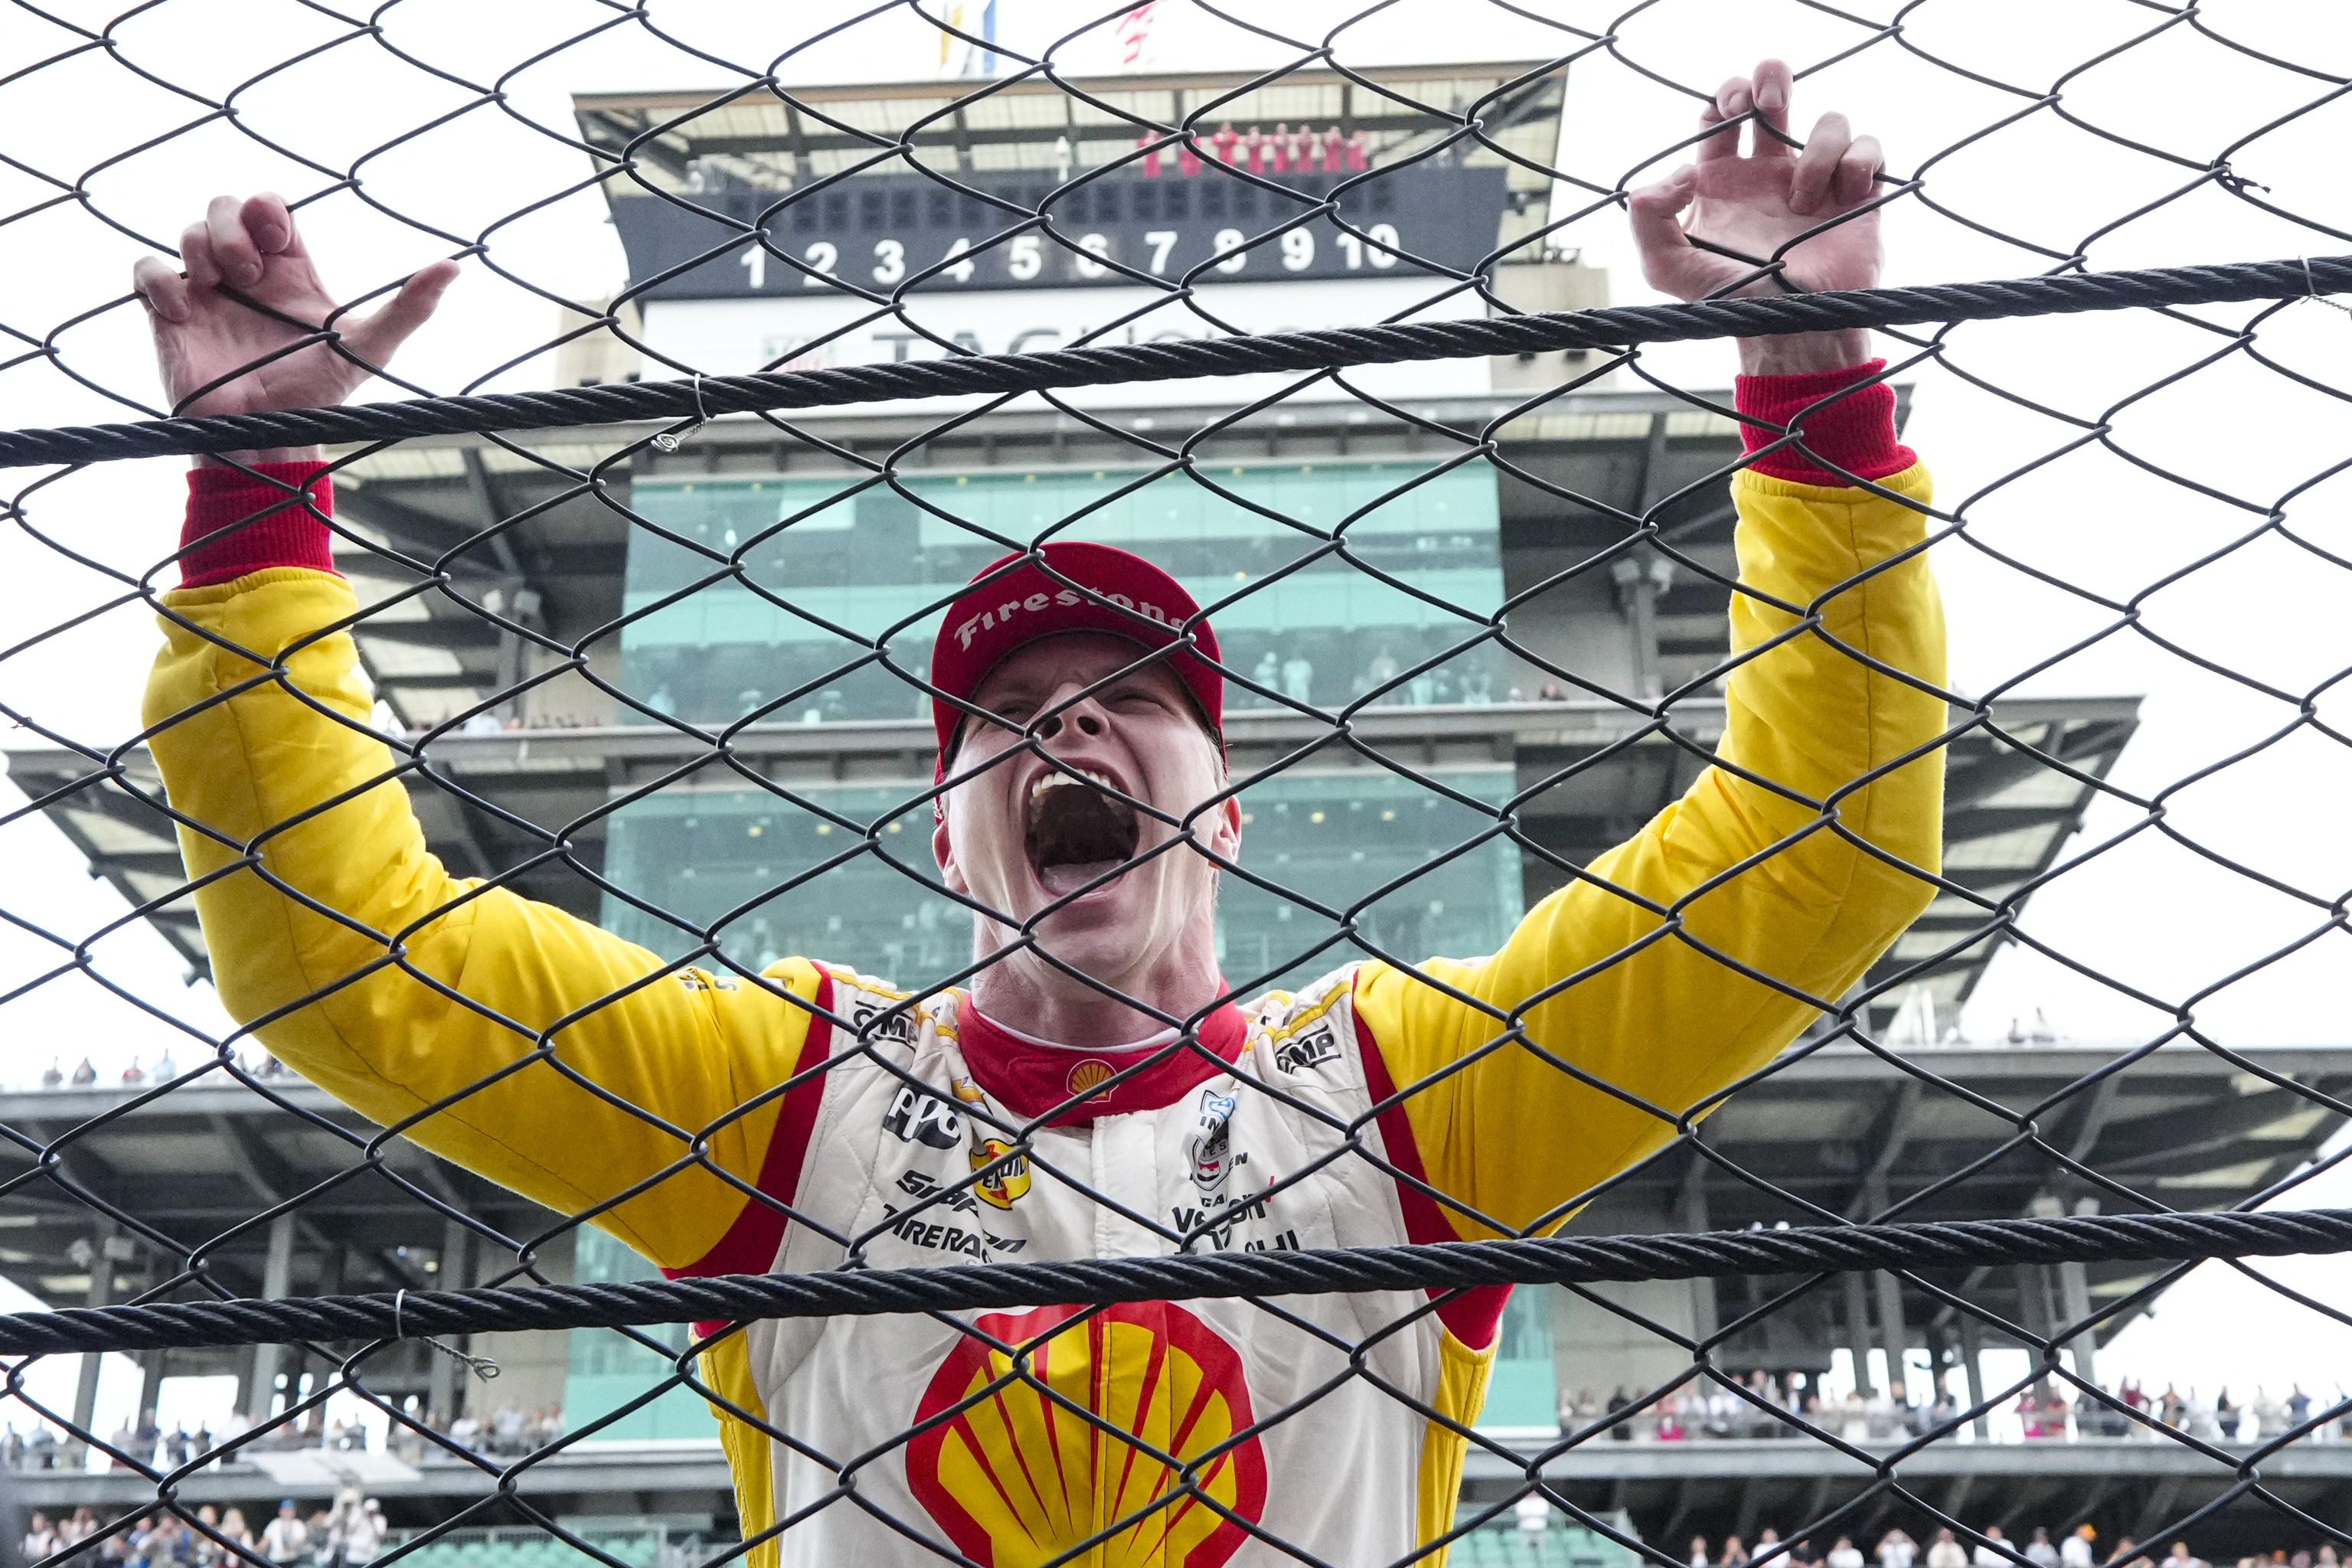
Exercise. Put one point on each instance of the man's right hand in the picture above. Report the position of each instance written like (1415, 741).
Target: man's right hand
(1761, 205)
(202, 335)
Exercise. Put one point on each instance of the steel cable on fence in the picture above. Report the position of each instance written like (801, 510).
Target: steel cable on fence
(1431, 1266)
(1616, 327)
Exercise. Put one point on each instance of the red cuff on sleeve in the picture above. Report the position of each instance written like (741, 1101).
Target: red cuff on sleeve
(215, 549)
(1856, 432)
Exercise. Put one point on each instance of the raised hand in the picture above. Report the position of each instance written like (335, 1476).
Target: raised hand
(202, 335)
(1757, 202)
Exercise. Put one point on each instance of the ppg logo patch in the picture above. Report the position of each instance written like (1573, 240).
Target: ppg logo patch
(923, 1119)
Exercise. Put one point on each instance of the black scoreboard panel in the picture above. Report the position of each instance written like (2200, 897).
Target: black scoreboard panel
(882, 232)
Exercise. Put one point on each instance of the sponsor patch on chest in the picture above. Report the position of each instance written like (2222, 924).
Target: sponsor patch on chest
(1308, 1051)
(946, 1221)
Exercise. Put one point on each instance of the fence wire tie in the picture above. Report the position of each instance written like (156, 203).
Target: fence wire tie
(2314, 287)
(671, 440)
(481, 1366)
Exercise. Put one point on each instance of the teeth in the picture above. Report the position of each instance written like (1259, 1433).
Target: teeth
(1053, 781)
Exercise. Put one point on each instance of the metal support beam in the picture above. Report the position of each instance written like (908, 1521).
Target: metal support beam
(441, 1392)
(1957, 1498)
(106, 1249)
(2033, 1299)
(1890, 1136)
(276, 1280)
(150, 1362)
(1893, 1337)
(2156, 1512)
(2075, 1307)
(1972, 1363)
(1704, 1320)
(493, 510)
(1892, 1334)
(1857, 1327)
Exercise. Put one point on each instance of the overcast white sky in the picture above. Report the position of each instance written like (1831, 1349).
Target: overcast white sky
(2151, 914)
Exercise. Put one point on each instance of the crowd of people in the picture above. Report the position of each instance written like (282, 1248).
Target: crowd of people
(350, 1533)
(134, 1075)
(2042, 1412)
(1990, 1548)
(504, 1434)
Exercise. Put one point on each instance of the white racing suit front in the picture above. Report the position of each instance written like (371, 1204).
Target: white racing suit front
(1279, 1431)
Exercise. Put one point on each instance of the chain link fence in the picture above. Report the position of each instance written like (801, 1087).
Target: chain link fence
(646, 840)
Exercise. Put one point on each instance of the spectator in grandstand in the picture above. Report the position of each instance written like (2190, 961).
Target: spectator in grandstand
(2076, 1551)
(364, 1538)
(40, 1537)
(1085, 814)
(84, 1075)
(1945, 1552)
(1844, 1554)
(286, 1538)
(233, 1528)
(1735, 1555)
(2297, 1409)
(1896, 1549)
(1698, 1557)
(2040, 1551)
(125, 1546)
(1582, 1412)
(543, 1427)
(51, 1077)
(1882, 1415)
(204, 1547)
(1992, 1551)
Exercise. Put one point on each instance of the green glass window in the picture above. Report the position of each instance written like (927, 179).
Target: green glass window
(824, 881)
(607, 1369)
(772, 596)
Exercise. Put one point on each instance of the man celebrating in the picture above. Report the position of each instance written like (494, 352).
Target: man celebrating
(1097, 1092)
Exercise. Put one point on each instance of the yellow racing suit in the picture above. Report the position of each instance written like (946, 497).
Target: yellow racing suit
(915, 1131)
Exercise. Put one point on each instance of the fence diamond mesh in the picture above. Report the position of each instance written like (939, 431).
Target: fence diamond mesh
(704, 833)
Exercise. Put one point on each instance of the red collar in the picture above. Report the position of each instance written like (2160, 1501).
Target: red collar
(1030, 1079)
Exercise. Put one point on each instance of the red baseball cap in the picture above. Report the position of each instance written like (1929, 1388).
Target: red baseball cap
(1079, 587)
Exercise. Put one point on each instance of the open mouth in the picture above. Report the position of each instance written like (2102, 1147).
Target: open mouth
(1077, 833)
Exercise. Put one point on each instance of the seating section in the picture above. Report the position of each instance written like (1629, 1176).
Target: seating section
(1510, 1547)
(638, 1549)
